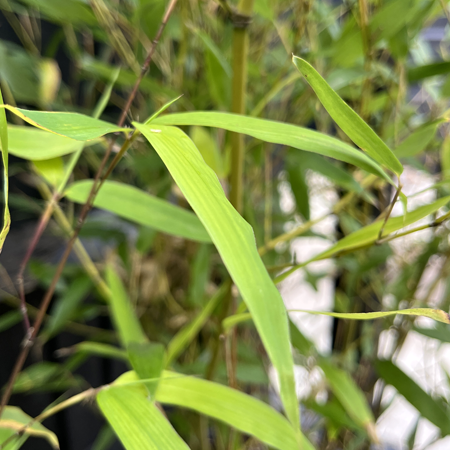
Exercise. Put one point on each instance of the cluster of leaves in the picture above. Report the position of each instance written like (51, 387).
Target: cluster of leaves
(184, 332)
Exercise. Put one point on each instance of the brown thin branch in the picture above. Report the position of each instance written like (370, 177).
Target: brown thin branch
(29, 340)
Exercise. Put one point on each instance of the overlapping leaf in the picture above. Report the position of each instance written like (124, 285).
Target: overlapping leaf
(277, 133)
(235, 242)
(137, 206)
(347, 119)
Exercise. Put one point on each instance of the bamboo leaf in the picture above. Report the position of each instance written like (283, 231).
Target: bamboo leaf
(350, 123)
(428, 407)
(418, 140)
(185, 336)
(429, 70)
(369, 234)
(235, 241)
(435, 314)
(72, 125)
(278, 133)
(138, 423)
(36, 145)
(4, 142)
(127, 324)
(13, 421)
(147, 360)
(239, 410)
(137, 206)
(350, 396)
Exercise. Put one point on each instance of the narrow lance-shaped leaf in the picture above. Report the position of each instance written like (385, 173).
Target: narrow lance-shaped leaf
(126, 322)
(241, 411)
(350, 396)
(278, 133)
(184, 337)
(140, 207)
(235, 242)
(428, 407)
(350, 123)
(36, 145)
(72, 125)
(435, 314)
(13, 422)
(4, 141)
(138, 423)
(369, 235)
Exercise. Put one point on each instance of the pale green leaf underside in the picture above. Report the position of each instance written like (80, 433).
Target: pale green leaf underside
(235, 242)
(36, 145)
(350, 123)
(72, 125)
(278, 133)
(14, 419)
(138, 423)
(137, 206)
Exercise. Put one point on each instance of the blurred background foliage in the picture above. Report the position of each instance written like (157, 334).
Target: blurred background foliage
(388, 59)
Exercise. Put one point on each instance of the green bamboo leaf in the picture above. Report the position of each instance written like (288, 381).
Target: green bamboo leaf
(278, 133)
(369, 235)
(88, 348)
(239, 410)
(124, 318)
(429, 70)
(51, 170)
(185, 336)
(137, 206)
(148, 360)
(235, 241)
(350, 396)
(418, 140)
(432, 409)
(9, 319)
(435, 314)
(138, 423)
(350, 123)
(13, 421)
(72, 125)
(4, 143)
(36, 145)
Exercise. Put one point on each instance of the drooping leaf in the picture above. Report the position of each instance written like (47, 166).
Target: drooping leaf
(278, 133)
(137, 206)
(72, 125)
(428, 407)
(235, 242)
(239, 410)
(127, 324)
(138, 423)
(14, 420)
(350, 123)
